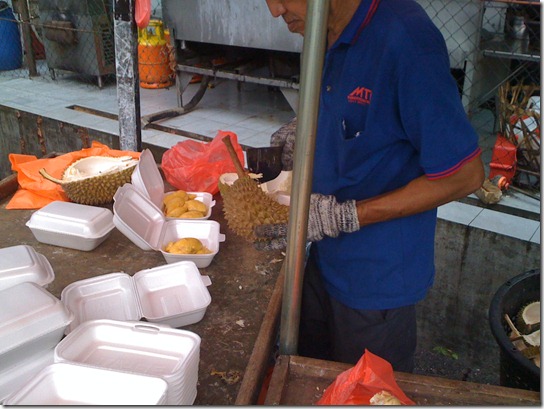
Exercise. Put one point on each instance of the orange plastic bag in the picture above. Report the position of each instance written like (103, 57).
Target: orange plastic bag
(34, 190)
(357, 385)
(195, 166)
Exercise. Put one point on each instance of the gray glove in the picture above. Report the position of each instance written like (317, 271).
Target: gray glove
(285, 136)
(326, 217)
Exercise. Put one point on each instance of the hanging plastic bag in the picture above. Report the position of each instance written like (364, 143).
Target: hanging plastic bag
(142, 13)
(357, 385)
(34, 190)
(196, 166)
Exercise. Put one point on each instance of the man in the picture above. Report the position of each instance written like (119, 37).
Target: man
(393, 143)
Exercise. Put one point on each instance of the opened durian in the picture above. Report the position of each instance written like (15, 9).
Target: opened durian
(246, 205)
(528, 318)
(95, 179)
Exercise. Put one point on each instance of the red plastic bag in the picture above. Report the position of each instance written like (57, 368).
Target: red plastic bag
(357, 385)
(142, 13)
(196, 166)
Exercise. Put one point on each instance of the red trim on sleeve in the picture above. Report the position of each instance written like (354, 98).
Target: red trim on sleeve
(454, 169)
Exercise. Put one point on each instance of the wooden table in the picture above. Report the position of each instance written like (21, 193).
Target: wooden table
(243, 280)
(301, 381)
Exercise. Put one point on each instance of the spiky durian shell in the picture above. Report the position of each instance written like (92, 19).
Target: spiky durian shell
(528, 318)
(245, 206)
(97, 190)
(94, 180)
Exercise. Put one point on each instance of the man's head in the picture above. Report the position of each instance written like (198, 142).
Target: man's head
(292, 11)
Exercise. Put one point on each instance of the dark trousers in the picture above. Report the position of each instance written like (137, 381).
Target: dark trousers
(332, 331)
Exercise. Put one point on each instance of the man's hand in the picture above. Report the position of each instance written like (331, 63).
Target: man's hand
(326, 217)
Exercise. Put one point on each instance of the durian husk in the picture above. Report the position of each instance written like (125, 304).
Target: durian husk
(245, 206)
(528, 318)
(94, 190)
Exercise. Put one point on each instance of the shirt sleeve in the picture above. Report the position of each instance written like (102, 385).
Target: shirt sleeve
(431, 109)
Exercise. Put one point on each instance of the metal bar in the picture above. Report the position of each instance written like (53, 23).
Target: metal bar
(238, 77)
(511, 55)
(313, 55)
(126, 68)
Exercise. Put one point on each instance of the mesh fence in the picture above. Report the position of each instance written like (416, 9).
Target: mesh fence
(494, 49)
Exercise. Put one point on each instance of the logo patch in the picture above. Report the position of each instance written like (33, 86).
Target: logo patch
(360, 95)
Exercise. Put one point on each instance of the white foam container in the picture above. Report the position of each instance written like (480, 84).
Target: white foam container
(32, 320)
(71, 225)
(146, 226)
(148, 180)
(14, 377)
(70, 384)
(22, 263)
(173, 294)
(137, 347)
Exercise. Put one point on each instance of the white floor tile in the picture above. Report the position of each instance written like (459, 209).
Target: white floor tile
(458, 212)
(506, 224)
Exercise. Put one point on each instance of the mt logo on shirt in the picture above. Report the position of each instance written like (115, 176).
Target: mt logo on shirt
(360, 95)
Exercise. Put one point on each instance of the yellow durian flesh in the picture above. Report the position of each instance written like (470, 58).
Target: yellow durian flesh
(183, 205)
(187, 245)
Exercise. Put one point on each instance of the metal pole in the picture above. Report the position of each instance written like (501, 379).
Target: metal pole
(126, 67)
(313, 54)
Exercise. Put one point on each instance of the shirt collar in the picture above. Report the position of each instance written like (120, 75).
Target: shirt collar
(360, 19)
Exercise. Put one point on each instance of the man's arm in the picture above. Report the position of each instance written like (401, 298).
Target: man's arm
(421, 194)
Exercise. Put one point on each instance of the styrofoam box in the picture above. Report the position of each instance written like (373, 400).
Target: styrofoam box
(137, 347)
(71, 225)
(146, 226)
(70, 384)
(32, 320)
(22, 263)
(147, 179)
(173, 294)
(14, 377)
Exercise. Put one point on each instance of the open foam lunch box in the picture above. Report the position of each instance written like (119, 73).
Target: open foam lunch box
(148, 180)
(173, 294)
(71, 384)
(138, 218)
(137, 347)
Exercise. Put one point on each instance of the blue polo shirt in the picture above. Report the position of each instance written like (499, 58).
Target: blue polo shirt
(390, 111)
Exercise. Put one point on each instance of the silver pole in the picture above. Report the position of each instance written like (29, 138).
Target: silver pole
(313, 55)
(126, 69)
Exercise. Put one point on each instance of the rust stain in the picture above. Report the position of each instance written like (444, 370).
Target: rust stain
(84, 135)
(41, 139)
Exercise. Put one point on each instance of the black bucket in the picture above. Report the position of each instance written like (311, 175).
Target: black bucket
(516, 371)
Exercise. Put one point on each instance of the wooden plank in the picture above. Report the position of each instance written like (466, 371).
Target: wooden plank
(262, 351)
(301, 381)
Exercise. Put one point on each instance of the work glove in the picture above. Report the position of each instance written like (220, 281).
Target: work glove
(285, 136)
(326, 217)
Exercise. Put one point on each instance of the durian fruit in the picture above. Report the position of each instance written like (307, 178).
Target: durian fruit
(246, 205)
(528, 318)
(187, 245)
(532, 339)
(95, 179)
